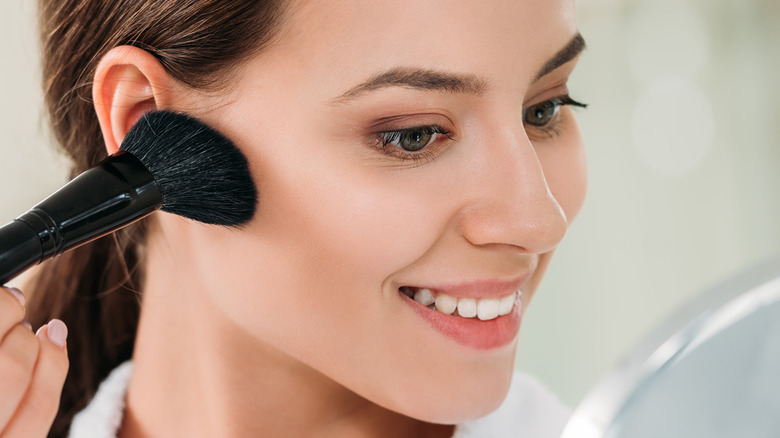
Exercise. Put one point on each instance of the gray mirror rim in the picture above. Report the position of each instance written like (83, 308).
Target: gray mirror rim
(696, 322)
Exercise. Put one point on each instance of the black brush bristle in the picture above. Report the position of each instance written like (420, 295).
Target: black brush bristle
(200, 173)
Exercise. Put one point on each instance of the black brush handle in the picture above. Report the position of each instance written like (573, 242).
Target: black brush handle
(101, 200)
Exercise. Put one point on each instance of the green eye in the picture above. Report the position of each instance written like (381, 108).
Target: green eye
(542, 113)
(545, 113)
(412, 139)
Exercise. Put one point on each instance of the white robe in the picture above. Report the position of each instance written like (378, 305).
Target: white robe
(529, 411)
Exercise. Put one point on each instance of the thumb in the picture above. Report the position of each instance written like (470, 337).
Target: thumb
(40, 404)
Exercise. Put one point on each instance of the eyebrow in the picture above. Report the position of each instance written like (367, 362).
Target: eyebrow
(570, 51)
(456, 83)
(420, 79)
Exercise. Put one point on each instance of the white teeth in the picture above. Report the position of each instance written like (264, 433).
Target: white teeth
(487, 309)
(446, 304)
(424, 296)
(467, 307)
(506, 304)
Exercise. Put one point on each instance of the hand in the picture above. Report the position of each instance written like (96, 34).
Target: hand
(32, 370)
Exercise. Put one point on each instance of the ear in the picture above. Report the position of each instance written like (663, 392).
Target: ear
(128, 83)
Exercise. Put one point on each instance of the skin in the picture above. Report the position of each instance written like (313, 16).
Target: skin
(293, 325)
(32, 370)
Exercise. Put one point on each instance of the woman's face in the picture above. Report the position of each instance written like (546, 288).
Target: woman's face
(397, 146)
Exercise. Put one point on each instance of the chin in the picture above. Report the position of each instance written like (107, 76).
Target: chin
(455, 402)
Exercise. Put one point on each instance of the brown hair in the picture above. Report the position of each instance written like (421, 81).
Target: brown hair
(94, 288)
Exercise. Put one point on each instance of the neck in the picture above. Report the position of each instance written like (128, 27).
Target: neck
(192, 362)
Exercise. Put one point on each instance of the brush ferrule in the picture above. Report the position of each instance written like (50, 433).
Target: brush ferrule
(99, 201)
(19, 249)
(117, 192)
(45, 228)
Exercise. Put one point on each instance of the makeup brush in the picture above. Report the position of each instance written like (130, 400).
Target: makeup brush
(167, 161)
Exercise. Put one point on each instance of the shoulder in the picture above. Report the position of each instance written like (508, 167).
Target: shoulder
(103, 415)
(530, 410)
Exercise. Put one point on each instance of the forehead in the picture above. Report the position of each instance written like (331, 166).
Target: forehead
(360, 37)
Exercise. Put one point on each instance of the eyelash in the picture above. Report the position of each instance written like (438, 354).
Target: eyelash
(386, 140)
(550, 128)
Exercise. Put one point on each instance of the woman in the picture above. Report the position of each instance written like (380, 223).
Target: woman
(417, 164)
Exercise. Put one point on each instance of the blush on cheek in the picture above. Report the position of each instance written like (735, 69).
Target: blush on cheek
(372, 231)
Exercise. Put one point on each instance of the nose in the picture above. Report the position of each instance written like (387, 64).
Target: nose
(511, 202)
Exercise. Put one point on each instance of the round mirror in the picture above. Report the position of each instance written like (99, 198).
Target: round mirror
(712, 371)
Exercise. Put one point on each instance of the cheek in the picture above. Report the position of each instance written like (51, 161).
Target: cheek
(328, 234)
(565, 168)
(350, 222)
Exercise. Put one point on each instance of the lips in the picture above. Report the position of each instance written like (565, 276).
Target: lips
(482, 315)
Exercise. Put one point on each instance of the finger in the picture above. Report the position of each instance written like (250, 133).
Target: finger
(42, 400)
(18, 354)
(11, 309)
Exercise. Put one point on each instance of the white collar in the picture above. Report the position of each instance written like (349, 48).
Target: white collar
(529, 411)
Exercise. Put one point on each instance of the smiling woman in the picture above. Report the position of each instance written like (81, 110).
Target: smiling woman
(417, 164)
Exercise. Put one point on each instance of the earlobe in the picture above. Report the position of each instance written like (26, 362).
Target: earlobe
(128, 83)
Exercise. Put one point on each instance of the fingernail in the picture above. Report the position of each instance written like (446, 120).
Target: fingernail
(57, 332)
(27, 324)
(18, 294)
